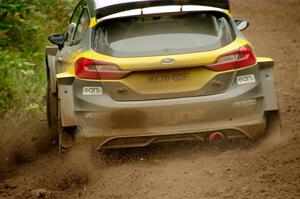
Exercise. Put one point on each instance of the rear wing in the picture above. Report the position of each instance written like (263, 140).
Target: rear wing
(112, 9)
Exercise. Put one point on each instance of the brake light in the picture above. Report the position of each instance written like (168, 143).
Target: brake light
(94, 69)
(244, 57)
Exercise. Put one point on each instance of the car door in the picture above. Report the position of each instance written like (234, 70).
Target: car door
(75, 32)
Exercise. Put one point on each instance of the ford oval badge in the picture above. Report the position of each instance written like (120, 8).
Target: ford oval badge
(168, 61)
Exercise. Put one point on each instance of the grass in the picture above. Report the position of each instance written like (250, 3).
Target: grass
(24, 29)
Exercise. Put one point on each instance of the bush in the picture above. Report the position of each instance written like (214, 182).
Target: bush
(24, 29)
(12, 21)
(21, 79)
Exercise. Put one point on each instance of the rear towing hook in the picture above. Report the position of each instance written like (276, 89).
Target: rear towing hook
(216, 137)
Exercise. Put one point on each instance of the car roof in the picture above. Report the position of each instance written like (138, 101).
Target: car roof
(106, 3)
(107, 7)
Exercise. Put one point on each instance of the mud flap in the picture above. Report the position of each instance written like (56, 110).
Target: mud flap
(271, 103)
(273, 130)
(67, 106)
(268, 83)
(65, 134)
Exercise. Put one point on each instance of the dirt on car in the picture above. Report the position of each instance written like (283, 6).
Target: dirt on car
(268, 168)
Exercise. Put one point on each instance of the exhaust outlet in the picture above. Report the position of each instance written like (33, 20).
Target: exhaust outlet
(217, 137)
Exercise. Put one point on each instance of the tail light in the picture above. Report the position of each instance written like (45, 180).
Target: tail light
(93, 69)
(244, 57)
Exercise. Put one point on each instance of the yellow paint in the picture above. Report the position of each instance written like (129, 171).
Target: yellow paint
(155, 62)
(93, 22)
(243, 42)
(189, 64)
(64, 75)
(264, 59)
(265, 62)
(169, 81)
(228, 13)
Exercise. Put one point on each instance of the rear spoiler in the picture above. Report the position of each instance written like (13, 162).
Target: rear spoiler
(112, 9)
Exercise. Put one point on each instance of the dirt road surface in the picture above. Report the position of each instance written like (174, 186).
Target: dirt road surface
(268, 169)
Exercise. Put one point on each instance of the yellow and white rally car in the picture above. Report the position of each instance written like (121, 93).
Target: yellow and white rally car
(129, 73)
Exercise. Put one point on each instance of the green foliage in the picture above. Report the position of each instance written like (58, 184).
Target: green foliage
(24, 29)
(30, 19)
(13, 22)
(21, 79)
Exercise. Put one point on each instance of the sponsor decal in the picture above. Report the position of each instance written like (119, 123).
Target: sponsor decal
(249, 102)
(246, 79)
(180, 117)
(92, 91)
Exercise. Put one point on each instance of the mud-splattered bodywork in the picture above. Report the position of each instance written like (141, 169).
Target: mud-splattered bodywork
(182, 100)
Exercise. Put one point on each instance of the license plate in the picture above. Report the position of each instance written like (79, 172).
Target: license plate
(169, 77)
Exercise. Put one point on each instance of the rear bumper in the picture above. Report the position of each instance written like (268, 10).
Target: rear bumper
(239, 112)
(231, 110)
(146, 137)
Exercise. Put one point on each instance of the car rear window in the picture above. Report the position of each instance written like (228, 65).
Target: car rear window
(163, 35)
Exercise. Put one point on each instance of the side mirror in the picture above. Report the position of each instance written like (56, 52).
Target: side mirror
(242, 24)
(57, 39)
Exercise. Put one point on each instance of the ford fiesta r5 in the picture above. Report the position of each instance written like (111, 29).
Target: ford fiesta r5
(131, 73)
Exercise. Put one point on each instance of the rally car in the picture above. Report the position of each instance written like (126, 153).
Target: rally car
(134, 72)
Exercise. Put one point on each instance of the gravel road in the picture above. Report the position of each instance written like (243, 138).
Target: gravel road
(267, 169)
